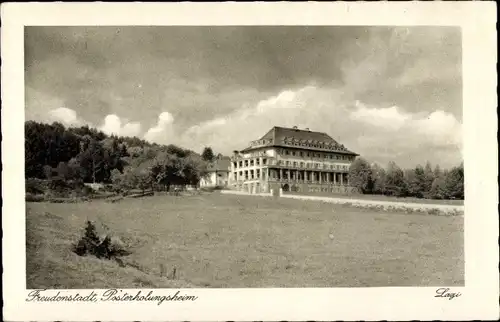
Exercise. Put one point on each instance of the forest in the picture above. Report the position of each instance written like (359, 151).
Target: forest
(419, 182)
(82, 154)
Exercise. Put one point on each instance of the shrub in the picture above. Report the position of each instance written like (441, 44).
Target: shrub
(105, 248)
(35, 186)
(33, 198)
(86, 191)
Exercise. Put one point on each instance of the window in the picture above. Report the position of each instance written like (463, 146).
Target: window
(301, 154)
(294, 163)
(287, 152)
(308, 154)
(257, 161)
(264, 161)
(287, 162)
(302, 164)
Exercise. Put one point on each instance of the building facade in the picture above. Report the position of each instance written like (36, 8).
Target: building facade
(217, 173)
(294, 160)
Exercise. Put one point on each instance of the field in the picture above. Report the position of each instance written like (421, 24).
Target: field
(385, 198)
(214, 240)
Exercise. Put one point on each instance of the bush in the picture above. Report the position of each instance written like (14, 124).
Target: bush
(34, 198)
(104, 248)
(86, 191)
(35, 186)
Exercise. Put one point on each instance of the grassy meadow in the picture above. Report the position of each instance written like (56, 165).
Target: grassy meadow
(215, 240)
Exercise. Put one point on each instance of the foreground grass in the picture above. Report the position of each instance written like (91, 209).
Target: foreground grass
(216, 240)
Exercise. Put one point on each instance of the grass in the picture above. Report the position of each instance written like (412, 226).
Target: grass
(215, 240)
(382, 198)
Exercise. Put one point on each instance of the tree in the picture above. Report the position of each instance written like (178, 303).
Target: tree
(63, 171)
(93, 162)
(47, 170)
(437, 171)
(361, 176)
(454, 182)
(208, 154)
(117, 179)
(438, 188)
(379, 179)
(75, 169)
(415, 182)
(395, 183)
(144, 179)
(429, 176)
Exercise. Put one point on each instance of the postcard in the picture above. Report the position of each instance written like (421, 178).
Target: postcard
(249, 161)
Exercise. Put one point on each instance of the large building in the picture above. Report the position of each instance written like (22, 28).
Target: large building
(294, 160)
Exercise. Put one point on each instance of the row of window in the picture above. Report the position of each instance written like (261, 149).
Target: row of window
(249, 174)
(261, 142)
(320, 145)
(313, 165)
(323, 189)
(315, 155)
(250, 163)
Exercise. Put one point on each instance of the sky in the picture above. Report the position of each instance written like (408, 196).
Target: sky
(387, 93)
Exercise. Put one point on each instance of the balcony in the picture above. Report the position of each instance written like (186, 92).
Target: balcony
(281, 164)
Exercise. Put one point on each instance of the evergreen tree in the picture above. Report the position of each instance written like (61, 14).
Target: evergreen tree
(208, 154)
(438, 189)
(416, 182)
(454, 183)
(429, 176)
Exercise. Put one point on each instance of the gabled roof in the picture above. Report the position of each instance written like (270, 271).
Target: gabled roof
(298, 138)
(221, 164)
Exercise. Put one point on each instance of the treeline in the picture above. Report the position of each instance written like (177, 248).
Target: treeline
(84, 154)
(420, 182)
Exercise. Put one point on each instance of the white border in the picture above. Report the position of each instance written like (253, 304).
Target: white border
(480, 295)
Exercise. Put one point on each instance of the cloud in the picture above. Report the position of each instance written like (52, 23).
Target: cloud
(131, 129)
(380, 134)
(441, 128)
(410, 137)
(385, 118)
(113, 125)
(285, 99)
(64, 115)
(163, 131)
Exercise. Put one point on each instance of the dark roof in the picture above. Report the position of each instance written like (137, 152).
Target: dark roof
(221, 164)
(300, 139)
